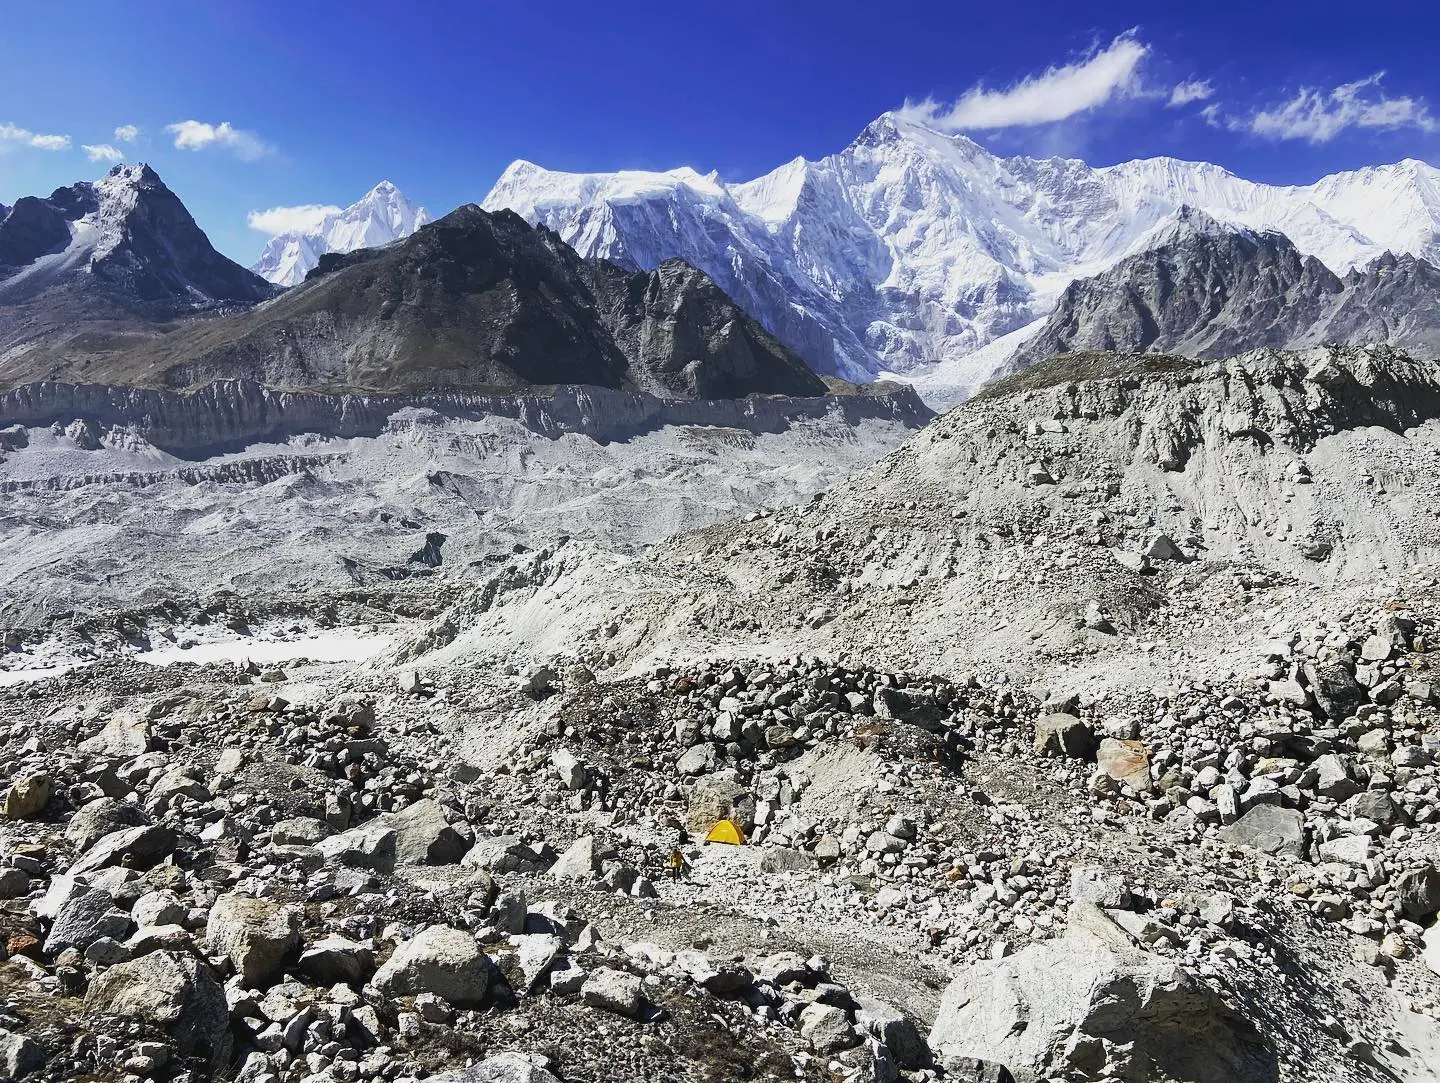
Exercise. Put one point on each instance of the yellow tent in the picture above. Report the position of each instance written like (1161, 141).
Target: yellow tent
(726, 831)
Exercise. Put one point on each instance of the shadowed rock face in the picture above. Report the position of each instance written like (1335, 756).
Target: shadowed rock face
(479, 302)
(681, 331)
(1209, 290)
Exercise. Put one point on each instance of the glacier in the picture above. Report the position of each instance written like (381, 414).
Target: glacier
(381, 216)
(918, 254)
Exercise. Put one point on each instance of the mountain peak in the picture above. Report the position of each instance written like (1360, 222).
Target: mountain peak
(379, 217)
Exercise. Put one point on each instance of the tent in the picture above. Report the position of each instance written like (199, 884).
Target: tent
(726, 831)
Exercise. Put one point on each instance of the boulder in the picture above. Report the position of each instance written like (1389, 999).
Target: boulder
(716, 798)
(1124, 761)
(423, 835)
(784, 859)
(142, 846)
(122, 738)
(1064, 735)
(27, 797)
(1334, 688)
(578, 862)
(896, 1030)
(19, 1055)
(441, 960)
(1419, 892)
(370, 846)
(1270, 829)
(336, 960)
(504, 1068)
(299, 831)
(172, 991)
(827, 1029)
(614, 991)
(256, 935)
(534, 955)
(1091, 1005)
(84, 919)
(103, 816)
(504, 853)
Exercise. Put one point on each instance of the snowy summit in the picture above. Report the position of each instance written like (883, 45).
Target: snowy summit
(381, 217)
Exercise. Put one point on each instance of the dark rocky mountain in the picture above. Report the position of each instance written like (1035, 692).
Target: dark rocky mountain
(95, 267)
(1207, 289)
(480, 302)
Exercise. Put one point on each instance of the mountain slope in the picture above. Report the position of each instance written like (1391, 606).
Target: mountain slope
(1206, 289)
(911, 248)
(383, 215)
(97, 266)
(480, 302)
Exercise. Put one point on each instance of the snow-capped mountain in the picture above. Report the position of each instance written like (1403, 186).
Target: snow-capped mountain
(911, 249)
(127, 235)
(383, 215)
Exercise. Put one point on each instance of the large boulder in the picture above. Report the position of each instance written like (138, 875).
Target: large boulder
(441, 960)
(1064, 735)
(173, 991)
(27, 796)
(423, 836)
(141, 846)
(579, 862)
(103, 816)
(370, 846)
(122, 738)
(717, 797)
(503, 1068)
(615, 991)
(256, 935)
(1269, 829)
(88, 916)
(1091, 1005)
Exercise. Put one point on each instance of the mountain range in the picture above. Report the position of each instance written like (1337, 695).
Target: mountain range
(910, 248)
(379, 217)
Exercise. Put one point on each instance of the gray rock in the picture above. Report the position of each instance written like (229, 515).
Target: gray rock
(1334, 779)
(827, 1029)
(1064, 735)
(101, 817)
(578, 862)
(532, 959)
(1334, 688)
(896, 1030)
(1270, 829)
(299, 831)
(425, 837)
(84, 919)
(1092, 884)
(337, 960)
(717, 797)
(509, 911)
(1419, 892)
(504, 1068)
(122, 738)
(141, 846)
(173, 991)
(370, 846)
(1346, 849)
(504, 853)
(19, 1055)
(256, 935)
(614, 991)
(784, 859)
(1377, 806)
(441, 960)
(1090, 1004)
(14, 883)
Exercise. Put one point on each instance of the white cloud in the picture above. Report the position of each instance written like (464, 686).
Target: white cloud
(1193, 90)
(278, 220)
(1055, 94)
(127, 133)
(1318, 115)
(197, 135)
(10, 134)
(102, 152)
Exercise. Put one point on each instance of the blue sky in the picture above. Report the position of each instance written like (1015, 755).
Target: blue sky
(320, 100)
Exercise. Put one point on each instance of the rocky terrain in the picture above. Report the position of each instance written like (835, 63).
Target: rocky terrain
(1090, 733)
(1206, 289)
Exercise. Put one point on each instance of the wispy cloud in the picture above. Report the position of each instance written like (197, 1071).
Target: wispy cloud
(197, 135)
(1318, 116)
(278, 220)
(102, 152)
(1192, 90)
(1054, 94)
(127, 133)
(12, 135)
